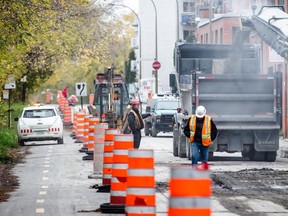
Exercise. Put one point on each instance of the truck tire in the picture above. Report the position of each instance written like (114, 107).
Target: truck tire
(211, 156)
(21, 142)
(271, 156)
(259, 156)
(147, 129)
(182, 145)
(154, 131)
(60, 141)
(175, 141)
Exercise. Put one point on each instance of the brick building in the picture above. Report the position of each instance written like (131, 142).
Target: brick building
(226, 23)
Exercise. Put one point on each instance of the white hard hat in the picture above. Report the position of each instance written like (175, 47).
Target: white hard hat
(200, 111)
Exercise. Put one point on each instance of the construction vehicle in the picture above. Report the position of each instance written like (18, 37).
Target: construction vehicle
(112, 98)
(163, 107)
(245, 104)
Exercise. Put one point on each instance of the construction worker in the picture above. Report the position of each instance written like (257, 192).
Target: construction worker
(65, 92)
(201, 131)
(135, 122)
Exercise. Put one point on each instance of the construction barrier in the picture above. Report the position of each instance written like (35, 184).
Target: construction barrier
(141, 193)
(67, 115)
(74, 128)
(122, 144)
(107, 162)
(91, 98)
(80, 127)
(96, 150)
(190, 192)
(48, 98)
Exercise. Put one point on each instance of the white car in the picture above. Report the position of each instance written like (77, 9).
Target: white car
(39, 123)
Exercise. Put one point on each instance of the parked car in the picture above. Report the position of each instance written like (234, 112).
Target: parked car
(39, 123)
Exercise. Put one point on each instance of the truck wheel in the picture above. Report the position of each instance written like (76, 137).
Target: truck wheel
(245, 154)
(182, 146)
(21, 142)
(271, 156)
(60, 141)
(259, 156)
(211, 156)
(154, 131)
(147, 129)
(175, 141)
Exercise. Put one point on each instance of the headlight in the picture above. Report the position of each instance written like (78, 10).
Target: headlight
(158, 118)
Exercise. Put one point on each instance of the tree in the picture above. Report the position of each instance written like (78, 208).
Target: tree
(130, 76)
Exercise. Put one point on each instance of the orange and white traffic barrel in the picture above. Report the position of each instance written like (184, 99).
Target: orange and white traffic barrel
(80, 127)
(67, 115)
(109, 134)
(98, 148)
(107, 162)
(122, 144)
(141, 193)
(48, 98)
(91, 98)
(74, 128)
(85, 135)
(190, 192)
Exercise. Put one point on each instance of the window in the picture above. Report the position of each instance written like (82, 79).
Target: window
(216, 36)
(271, 2)
(235, 31)
(39, 113)
(221, 36)
(188, 6)
(280, 2)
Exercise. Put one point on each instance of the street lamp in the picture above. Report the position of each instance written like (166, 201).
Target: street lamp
(178, 14)
(156, 46)
(140, 38)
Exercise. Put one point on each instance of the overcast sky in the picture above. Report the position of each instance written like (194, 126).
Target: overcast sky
(131, 3)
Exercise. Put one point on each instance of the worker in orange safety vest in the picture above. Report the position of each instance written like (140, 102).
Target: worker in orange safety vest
(201, 131)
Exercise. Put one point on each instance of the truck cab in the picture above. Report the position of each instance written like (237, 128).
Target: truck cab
(163, 110)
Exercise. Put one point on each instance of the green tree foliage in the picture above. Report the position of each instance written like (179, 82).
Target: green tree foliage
(57, 40)
(130, 76)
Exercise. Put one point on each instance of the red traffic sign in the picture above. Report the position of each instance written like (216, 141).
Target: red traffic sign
(156, 65)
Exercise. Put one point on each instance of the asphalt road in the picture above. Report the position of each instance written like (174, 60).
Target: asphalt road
(53, 181)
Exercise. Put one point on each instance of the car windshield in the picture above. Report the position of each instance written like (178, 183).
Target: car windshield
(167, 105)
(39, 113)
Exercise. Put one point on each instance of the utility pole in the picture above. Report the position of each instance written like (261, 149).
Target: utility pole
(156, 46)
(210, 22)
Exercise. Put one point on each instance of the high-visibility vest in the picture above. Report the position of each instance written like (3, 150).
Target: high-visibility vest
(137, 120)
(206, 129)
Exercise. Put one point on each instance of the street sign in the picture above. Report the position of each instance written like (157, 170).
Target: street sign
(156, 65)
(10, 83)
(81, 89)
(5, 94)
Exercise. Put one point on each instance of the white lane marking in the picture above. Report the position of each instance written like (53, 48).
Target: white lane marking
(45, 171)
(46, 166)
(40, 210)
(42, 192)
(47, 162)
(40, 201)
(44, 187)
(45, 178)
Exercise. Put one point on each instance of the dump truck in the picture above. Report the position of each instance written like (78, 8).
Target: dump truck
(245, 104)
